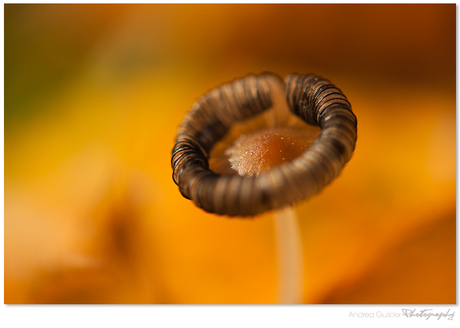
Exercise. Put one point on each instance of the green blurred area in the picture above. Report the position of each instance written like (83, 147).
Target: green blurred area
(45, 47)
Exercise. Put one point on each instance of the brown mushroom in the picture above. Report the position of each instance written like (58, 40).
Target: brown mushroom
(266, 167)
(315, 100)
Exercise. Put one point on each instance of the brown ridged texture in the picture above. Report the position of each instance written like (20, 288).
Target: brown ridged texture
(312, 98)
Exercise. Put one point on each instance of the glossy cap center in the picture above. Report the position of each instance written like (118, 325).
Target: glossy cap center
(252, 154)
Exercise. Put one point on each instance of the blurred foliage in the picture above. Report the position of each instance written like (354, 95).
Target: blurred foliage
(94, 95)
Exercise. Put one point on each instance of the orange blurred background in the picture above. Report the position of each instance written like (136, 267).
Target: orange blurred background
(94, 95)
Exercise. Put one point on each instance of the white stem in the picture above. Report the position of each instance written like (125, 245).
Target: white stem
(289, 254)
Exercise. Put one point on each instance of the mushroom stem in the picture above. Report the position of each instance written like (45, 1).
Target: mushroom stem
(289, 254)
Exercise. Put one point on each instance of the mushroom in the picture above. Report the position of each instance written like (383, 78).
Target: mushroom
(265, 168)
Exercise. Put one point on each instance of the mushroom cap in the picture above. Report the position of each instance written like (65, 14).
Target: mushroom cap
(314, 99)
